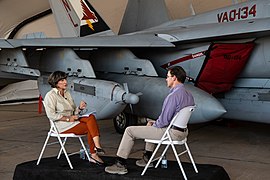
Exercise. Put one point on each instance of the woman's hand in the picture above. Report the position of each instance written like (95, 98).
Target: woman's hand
(73, 118)
(82, 105)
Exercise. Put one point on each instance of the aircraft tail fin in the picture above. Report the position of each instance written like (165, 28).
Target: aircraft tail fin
(143, 14)
(76, 18)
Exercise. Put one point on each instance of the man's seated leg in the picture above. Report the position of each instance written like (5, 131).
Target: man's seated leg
(146, 156)
(119, 167)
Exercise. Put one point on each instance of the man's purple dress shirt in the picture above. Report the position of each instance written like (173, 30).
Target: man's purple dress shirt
(177, 99)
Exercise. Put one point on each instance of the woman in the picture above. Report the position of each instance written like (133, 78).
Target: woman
(61, 108)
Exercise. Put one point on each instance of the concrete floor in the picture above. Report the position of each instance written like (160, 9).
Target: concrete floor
(242, 148)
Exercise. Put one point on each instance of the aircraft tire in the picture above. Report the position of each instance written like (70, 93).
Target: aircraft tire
(123, 120)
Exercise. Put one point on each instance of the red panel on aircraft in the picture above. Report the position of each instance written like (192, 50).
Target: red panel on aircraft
(222, 66)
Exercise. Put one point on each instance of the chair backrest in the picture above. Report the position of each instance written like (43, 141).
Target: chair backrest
(53, 127)
(182, 117)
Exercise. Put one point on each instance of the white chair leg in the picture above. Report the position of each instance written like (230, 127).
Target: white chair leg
(60, 151)
(151, 159)
(191, 158)
(161, 156)
(43, 148)
(179, 162)
(84, 148)
(65, 152)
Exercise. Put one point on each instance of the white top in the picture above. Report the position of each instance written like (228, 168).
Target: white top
(57, 106)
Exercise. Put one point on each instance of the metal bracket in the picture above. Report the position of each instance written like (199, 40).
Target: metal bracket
(20, 70)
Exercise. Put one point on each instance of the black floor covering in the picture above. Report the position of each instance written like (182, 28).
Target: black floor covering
(53, 169)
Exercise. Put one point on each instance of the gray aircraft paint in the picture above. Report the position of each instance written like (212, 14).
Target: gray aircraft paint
(155, 46)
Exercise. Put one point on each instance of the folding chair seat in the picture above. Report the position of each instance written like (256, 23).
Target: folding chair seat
(53, 132)
(182, 117)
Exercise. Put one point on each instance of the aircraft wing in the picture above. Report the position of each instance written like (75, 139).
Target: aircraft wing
(136, 40)
(175, 33)
(155, 37)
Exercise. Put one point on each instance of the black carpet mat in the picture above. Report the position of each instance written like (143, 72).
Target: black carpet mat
(53, 169)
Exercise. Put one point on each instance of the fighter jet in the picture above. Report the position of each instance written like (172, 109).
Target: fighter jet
(224, 53)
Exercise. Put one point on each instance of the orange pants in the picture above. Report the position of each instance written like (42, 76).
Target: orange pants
(88, 125)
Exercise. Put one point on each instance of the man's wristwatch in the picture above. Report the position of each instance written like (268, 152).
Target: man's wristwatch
(67, 119)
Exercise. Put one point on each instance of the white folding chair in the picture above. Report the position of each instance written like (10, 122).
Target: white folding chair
(53, 132)
(182, 117)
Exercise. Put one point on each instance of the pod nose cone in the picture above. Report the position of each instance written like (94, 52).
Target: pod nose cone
(131, 98)
(208, 108)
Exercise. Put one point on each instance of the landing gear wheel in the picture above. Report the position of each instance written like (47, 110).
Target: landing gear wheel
(123, 120)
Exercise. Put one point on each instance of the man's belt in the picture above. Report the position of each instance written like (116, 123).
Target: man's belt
(179, 129)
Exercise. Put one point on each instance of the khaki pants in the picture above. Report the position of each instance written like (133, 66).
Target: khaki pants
(144, 132)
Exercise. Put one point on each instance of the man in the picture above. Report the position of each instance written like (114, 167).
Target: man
(177, 99)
